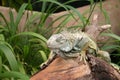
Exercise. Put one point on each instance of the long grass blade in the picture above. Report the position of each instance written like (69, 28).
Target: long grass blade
(21, 68)
(57, 19)
(111, 35)
(55, 2)
(30, 5)
(107, 47)
(43, 15)
(107, 18)
(64, 22)
(12, 19)
(0, 64)
(1, 15)
(10, 56)
(20, 14)
(52, 10)
(81, 17)
(14, 75)
(12, 24)
(43, 55)
(30, 34)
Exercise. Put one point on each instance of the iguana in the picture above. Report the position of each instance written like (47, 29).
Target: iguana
(73, 44)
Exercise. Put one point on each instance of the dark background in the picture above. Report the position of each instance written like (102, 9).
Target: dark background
(37, 6)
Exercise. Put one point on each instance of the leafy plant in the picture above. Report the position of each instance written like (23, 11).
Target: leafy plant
(8, 63)
(115, 55)
(21, 52)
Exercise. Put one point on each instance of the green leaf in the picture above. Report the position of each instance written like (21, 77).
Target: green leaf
(1, 15)
(10, 56)
(64, 22)
(91, 2)
(2, 37)
(30, 34)
(12, 24)
(111, 35)
(54, 1)
(6, 67)
(26, 50)
(40, 42)
(20, 14)
(21, 67)
(29, 5)
(43, 6)
(78, 14)
(14, 74)
(106, 15)
(57, 19)
(108, 47)
(43, 55)
(0, 64)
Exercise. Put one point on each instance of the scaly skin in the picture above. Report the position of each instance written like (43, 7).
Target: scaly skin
(72, 44)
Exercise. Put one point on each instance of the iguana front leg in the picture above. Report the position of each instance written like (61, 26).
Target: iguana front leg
(83, 56)
(50, 59)
(81, 49)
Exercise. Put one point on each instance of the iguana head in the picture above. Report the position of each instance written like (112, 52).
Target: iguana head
(59, 41)
(64, 41)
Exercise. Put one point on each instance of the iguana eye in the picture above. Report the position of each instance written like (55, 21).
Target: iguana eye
(60, 40)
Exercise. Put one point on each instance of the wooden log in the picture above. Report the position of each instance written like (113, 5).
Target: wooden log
(72, 69)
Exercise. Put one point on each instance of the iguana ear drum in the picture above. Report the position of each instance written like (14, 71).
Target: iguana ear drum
(67, 47)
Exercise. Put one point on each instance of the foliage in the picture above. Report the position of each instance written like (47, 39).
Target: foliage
(22, 52)
(115, 55)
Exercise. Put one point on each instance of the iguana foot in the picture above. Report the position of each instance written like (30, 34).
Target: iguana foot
(43, 66)
(52, 56)
(83, 57)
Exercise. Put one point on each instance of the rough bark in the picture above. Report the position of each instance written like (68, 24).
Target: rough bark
(72, 69)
